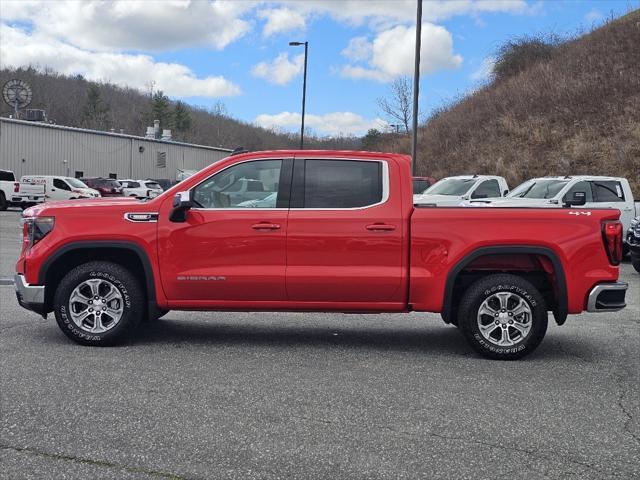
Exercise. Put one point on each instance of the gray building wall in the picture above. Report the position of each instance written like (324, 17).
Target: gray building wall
(30, 148)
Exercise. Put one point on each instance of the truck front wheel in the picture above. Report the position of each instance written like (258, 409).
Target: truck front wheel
(503, 317)
(3, 202)
(99, 304)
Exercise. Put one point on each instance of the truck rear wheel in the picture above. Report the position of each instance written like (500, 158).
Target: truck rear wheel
(503, 317)
(99, 304)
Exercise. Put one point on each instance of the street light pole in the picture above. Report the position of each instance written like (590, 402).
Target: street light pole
(304, 87)
(416, 87)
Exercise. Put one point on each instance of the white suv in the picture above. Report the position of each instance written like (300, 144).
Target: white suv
(140, 188)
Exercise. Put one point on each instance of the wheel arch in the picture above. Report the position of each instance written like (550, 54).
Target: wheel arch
(127, 254)
(561, 305)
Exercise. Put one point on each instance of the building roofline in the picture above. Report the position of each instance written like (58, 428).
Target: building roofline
(111, 134)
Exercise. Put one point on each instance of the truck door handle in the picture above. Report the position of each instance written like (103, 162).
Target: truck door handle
(265, 226)
(380, 227)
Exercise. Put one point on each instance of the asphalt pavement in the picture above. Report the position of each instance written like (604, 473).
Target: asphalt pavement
(272, 395)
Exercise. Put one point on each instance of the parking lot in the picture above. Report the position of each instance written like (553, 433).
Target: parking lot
(273, 395)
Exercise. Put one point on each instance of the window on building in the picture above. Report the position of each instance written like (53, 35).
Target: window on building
(161, 159)
(79, 174)
(113, 175)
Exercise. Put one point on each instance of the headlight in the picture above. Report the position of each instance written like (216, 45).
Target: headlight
(35, 229)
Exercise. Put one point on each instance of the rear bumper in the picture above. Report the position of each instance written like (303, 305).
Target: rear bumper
(607, 297)
(30, 297)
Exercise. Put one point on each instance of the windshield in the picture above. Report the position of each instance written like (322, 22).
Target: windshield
(537, 188)
(451, 186)
(75, 183)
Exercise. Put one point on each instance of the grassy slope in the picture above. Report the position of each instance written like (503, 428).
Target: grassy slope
(578, 113)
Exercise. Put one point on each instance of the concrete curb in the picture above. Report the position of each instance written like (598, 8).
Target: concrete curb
(6, 281)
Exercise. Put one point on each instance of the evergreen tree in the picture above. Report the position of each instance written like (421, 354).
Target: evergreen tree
(161, 109)
(181, 119)
(371, 139)
(95, 112)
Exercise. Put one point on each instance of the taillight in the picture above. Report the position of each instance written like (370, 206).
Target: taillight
(612, 238)
(16, 187)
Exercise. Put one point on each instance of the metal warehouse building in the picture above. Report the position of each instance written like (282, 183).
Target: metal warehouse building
(30, 148)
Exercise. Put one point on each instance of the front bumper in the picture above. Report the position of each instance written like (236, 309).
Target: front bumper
(30, 297)
(607, 297)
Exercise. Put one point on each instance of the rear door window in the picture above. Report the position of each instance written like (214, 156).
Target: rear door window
(341, 184)
(605, 191)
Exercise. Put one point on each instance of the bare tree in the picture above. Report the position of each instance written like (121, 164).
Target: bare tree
(397, 106)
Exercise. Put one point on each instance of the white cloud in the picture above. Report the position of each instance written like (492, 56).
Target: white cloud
(484, 71)
(336, 123)
(359, 49)
(18, 48)
(593, 16)
(281, 20)
(134, 24)
(281, 70)
(392, 53)
(386, 13)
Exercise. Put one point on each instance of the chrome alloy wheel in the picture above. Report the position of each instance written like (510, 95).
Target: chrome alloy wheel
(96, 306)
(504, 319)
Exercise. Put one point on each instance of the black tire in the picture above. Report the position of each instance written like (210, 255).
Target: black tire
(469, 317)
(635, 261)
(3, 202)
(127, 286)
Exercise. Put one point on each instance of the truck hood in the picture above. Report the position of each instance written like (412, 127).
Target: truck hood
(439, 200)
(57, 205)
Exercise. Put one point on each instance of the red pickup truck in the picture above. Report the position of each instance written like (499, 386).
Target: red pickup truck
(318, 231)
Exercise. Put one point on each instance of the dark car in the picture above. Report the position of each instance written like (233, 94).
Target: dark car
(633, 242)
(108, 187)
(420, 184)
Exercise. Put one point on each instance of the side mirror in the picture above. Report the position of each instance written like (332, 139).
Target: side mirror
(182, 202)
(578, 200)
(505, 193)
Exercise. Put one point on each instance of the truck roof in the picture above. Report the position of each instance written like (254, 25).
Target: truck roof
(577, 177)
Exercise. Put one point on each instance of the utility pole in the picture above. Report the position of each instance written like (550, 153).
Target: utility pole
(304, 87)
(416, 87)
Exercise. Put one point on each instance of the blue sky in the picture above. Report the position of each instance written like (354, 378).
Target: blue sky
(237, 52)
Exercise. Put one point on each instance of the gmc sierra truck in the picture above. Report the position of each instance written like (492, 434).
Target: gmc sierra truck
(341, 234)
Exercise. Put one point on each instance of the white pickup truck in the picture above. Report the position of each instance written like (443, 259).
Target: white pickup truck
(600, 192)
(452, 191)
(20, 194)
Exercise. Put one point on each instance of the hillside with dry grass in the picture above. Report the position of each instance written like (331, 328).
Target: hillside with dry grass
(573, 109)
